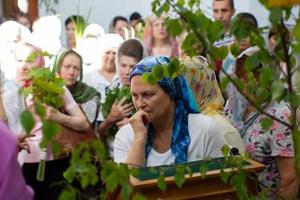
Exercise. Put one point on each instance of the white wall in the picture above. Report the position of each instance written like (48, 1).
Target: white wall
(102, 11)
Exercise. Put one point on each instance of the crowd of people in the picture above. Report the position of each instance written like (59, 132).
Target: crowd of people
(174, 121)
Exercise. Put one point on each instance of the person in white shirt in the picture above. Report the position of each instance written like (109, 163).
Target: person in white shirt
(167, 127)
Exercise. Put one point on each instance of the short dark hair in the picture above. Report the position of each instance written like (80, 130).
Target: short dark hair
(131, 48)
(118, 18)
(74, 18)
(247, 18)
(135, 16)
(231, 3)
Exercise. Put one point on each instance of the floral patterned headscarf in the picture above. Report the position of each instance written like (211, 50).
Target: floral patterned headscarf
(204, 85)
(179, 91)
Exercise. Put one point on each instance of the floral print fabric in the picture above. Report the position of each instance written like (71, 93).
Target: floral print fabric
(265, 145)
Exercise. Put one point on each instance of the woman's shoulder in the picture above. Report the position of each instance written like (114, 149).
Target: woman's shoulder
(198, 121)
(196, 118)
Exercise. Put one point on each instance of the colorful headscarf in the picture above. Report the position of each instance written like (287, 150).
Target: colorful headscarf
(179, 91)
(204, 85)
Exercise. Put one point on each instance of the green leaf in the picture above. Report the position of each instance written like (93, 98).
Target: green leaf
(257, 39)
(275, 15)
(296, 47)
(203, 21)
(154, 5)
(189, 43)
(152, 79)
(50, 129)
(164, 8)
(39, 109)
(266, 75)
(225, 150)
(70, 174)
(296, 135)
(219, 52)
(181, 2)
(67, 194)
(223, 51)
(203, 169)
(56, 149)
(162, 185)
(110, 179)
(27, 121)
(179, 176)
(235, 49)
(223, 83)
(139, 197)
(295, 100)
(297, 32)
(215, 30)
(191, 3)
(126, 191)
(174, 27)
(189, 171)
(252, 62)
(158, 72)
(266, 123)
(277, 90)
(224, 176)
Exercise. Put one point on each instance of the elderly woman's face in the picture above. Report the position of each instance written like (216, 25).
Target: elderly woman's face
(150, 98)
(70, 69)
(24, 64)
(108, 59)
(159, 29)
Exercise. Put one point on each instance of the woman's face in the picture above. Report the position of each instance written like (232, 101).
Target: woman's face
(108, 59)
(126, 65)
(70, 69)
(150, 98)
(24, 63)
(70, 33)
(159, 29)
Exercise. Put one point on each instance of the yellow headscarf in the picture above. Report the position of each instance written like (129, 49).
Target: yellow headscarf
(204, 85)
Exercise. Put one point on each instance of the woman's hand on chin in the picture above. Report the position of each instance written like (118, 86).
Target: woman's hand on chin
(139, 123)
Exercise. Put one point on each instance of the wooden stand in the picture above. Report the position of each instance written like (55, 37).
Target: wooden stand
(195, 187)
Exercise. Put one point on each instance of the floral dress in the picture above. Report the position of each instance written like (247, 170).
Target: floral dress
(265, 145)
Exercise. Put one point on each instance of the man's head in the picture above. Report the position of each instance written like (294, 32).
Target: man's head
(118, 23)
(223, 10)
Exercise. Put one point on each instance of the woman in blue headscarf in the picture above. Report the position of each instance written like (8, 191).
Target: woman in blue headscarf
(167, 127)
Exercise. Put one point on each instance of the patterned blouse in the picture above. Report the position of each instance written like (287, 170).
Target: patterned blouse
(265, 145)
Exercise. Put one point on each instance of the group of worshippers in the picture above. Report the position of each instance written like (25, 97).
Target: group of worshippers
(175, 120)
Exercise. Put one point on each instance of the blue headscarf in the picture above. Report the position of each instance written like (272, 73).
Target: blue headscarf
(179, 91)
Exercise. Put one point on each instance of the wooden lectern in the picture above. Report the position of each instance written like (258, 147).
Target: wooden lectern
(195, 187)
